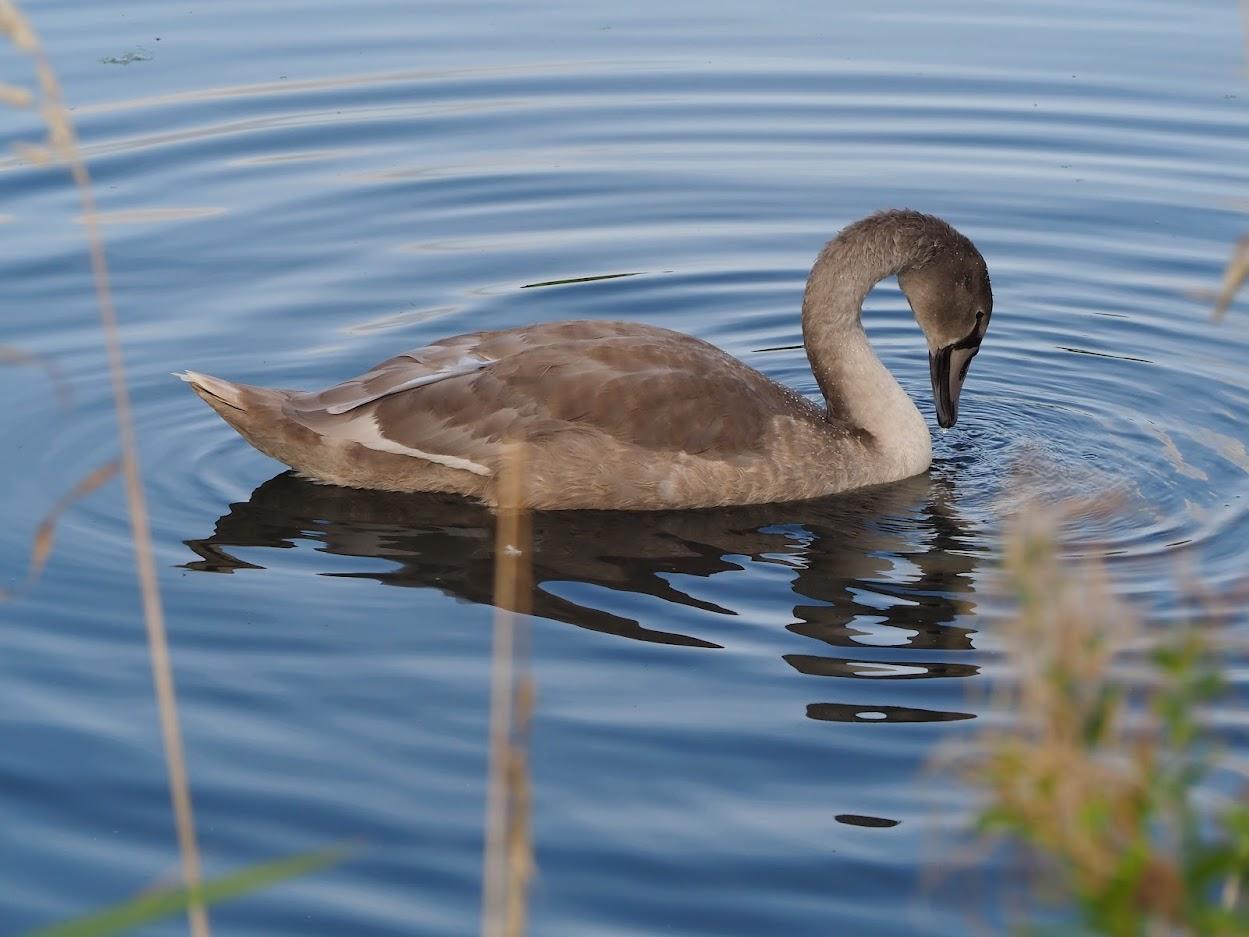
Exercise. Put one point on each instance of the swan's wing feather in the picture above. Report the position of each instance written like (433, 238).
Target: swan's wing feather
(628, 385)
(446, 359)
(394, 382)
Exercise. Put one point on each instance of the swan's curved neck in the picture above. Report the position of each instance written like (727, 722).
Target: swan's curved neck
(859, 389)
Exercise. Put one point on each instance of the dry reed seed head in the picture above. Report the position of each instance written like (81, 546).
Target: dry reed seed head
(1106, 807)
(1084, 817)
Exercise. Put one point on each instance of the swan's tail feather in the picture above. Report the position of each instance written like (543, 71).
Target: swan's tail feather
(256, 413)
(229, 394)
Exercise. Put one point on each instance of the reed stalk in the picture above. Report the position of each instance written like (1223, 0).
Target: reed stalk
(62, 146)
(507, 864)
(1234, 276)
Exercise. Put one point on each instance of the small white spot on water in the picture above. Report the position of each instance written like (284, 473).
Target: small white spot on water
(874, 669)
(875, 633)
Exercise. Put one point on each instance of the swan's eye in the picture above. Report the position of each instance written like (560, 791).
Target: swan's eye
(979, 315)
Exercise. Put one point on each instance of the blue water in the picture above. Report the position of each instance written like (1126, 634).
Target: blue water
(294, 191)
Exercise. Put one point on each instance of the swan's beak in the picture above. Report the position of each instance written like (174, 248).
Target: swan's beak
(948, 367)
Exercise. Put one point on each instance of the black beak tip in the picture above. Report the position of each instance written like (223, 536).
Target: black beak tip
(945, 401)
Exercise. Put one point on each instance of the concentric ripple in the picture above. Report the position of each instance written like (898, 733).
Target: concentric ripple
(292, 225)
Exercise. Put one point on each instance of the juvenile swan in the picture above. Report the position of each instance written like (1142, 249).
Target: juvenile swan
(627, 416)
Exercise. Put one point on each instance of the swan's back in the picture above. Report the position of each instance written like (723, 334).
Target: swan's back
(614, 414)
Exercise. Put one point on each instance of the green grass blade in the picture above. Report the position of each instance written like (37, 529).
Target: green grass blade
(174, 900)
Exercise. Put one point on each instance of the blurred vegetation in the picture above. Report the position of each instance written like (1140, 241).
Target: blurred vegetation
(60, 147)
(1233, 277)
(1099, 786)
(166, 902)
(508, 860)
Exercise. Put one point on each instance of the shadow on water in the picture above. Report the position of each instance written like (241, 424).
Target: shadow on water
(888, 568)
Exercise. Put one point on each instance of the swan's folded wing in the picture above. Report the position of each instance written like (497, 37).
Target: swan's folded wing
(458, 405)
(450, 358)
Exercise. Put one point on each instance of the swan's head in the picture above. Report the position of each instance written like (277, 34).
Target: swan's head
(950, 295)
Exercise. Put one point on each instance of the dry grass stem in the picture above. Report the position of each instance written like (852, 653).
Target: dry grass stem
(14, 96)
(11, 355)
(33, 154)
(508, 859)
(62, 143)
(1233, 277)
(45, 536)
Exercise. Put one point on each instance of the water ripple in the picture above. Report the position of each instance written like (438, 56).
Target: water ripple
(293, 232)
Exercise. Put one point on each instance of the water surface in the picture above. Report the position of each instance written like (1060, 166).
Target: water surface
(735, 708)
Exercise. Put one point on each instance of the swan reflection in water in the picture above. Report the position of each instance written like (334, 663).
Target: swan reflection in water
(886, 568)
(878, 575)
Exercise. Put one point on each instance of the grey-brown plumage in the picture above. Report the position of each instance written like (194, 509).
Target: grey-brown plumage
(631, 416)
